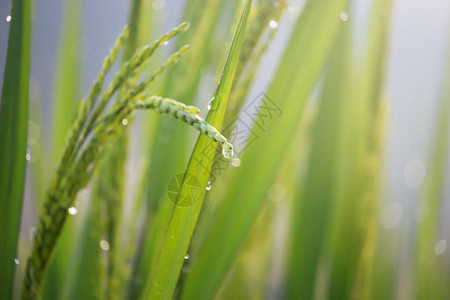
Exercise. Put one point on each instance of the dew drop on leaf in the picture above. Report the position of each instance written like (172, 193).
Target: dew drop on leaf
(210, 103)
(104, 245)
(273, 24)
(73, 210)
(344, 16)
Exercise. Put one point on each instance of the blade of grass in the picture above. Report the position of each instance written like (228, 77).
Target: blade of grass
(65, 100)
(183, 219)
(299, 70)
(13, 140)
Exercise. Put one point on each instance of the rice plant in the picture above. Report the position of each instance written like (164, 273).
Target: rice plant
(262, 191)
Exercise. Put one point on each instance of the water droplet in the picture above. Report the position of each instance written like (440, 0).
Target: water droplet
(73, 210)
(208, 187)
(28, 155)
(158, 292)
(158, 283)
(236, 162)
(104, 245)
(273, 24)
(124, 122)
(210, 103)
(186, 256)
(226, 153)
(166, 43)
(344, 16)
(8, 19)
(440, 247)
(33, 151)
(16, 261)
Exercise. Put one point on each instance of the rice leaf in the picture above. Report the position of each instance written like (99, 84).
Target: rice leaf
(183, 219)
(13, 140)
(65, 101)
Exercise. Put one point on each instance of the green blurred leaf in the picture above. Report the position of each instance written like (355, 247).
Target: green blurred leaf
(13, 140)
(184, 219)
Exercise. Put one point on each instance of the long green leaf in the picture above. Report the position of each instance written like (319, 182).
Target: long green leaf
(13, 140)
(299, 70)
(430, 268)
(184, 219)
(65, 100)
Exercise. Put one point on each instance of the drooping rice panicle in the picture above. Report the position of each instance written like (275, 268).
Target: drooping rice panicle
(185, 113)
(81, 155)
(61, 195)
